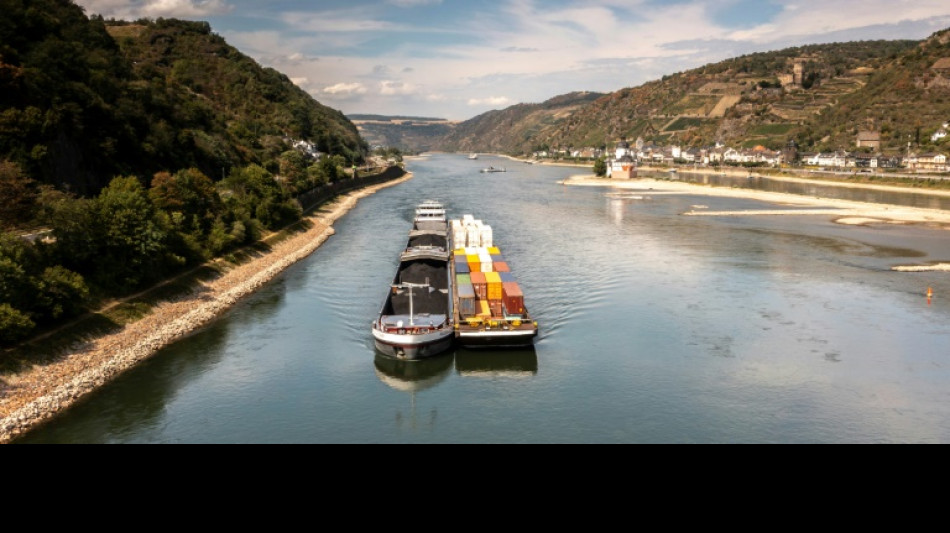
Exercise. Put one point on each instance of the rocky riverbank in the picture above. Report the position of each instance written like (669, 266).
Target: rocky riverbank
(35, 395)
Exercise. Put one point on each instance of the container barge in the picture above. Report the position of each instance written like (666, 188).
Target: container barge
(417, 315)
(488, 303)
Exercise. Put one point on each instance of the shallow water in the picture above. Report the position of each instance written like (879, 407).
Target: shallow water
(655, 328)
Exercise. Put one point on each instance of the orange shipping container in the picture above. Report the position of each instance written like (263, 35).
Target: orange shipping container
(480, 284)
(500, 266)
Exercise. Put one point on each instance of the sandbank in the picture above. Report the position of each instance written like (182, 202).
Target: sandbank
(839, 211)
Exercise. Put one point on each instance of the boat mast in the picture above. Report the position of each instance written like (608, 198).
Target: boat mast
(411, 286)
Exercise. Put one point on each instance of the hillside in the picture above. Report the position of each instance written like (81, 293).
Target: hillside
(408, 134)
(822, 96)
(83, 100)
(520, 128)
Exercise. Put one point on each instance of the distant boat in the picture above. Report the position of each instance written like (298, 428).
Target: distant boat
(491, 170)
(473, 156)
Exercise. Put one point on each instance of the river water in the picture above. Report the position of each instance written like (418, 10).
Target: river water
(655, 328)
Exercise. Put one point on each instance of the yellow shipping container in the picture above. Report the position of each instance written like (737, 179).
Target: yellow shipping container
(459, 251)
(495, 287)
(493, 250)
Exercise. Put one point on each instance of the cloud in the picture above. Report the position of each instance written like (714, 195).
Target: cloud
(396, 88)
(344, 90)
(518, 49)
(135, 9)
(413, 3)
(491, 101)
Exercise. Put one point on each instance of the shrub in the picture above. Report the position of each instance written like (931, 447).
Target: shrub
(14, 325)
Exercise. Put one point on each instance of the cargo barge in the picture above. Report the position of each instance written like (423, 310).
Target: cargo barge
(489, 308)
(416, 318)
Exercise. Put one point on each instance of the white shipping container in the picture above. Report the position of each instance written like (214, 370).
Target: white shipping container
(487, 267)
(467, 218)
(486, 237)
(474, 237)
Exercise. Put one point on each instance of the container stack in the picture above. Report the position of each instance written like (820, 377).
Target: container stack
(469, 232)
(485, 285)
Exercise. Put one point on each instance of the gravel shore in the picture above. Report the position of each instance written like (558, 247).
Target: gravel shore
(37, 394)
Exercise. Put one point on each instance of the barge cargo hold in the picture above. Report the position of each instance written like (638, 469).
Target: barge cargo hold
(488, 303)
(416, 318)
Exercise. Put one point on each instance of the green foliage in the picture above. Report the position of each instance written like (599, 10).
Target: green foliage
(14, 325)
(252, 193)
(684, 123)
(32, 292)
(60, 293)
(144, 97)
(132, 245)
(772, 129)
(600, 167)
(18, 196)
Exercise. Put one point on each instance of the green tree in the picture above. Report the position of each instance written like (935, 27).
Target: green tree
(60, 293)
(600, 167)
(14, 325)
(133, 246)
(18, 195)
(293, 167)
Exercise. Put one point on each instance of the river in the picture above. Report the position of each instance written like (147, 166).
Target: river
(655, 328)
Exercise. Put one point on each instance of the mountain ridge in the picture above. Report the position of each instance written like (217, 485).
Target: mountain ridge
(822, 97)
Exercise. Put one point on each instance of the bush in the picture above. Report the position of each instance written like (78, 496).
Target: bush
(61, 293)
(14, 325)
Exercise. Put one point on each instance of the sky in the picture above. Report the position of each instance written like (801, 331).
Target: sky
(457, 59)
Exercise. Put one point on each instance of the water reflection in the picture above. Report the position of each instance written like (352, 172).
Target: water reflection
(495, 364)
(413, 376)
(137, 401)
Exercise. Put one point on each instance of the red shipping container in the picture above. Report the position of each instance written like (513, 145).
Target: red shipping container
(501, 266)
(513, 298)
(496, 308)
(480, 284)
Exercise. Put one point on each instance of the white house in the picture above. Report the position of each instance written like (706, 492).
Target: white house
(622, 165)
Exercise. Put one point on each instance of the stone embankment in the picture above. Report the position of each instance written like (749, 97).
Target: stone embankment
(37, 394)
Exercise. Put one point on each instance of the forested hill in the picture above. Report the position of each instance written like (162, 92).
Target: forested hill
(83, 100)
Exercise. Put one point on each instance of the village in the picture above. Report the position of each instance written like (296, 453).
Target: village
(642, 153)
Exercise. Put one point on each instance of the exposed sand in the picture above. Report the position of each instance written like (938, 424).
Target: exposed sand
(839, 211)
(843, 211)
(34, 396)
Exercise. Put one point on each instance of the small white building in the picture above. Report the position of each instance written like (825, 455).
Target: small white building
(623, 164)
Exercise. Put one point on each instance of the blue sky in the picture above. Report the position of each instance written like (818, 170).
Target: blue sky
(456, 59)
